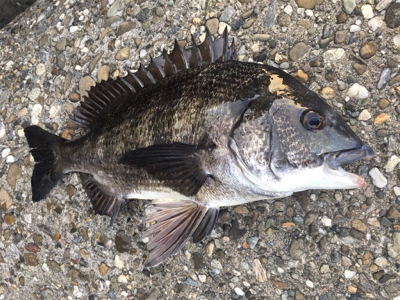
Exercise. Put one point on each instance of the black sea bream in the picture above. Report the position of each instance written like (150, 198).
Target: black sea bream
(195, 131)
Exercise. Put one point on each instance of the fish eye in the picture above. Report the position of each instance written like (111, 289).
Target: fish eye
(312, 120)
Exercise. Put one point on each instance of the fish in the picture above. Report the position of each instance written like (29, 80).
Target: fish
(194, 131)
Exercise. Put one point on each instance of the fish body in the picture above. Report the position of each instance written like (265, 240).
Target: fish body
(200, 134)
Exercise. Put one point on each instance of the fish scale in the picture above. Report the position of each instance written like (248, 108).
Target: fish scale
(194, 131)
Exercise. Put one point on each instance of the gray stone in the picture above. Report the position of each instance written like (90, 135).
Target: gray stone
(227, 14)
(117, 6)
(297, 249)
(349, 6)
(392, 17)
(384, 78)
(298, 51)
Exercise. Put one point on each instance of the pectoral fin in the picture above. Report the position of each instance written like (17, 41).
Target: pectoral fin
(103, 204)
(178, 165)
(175, 223)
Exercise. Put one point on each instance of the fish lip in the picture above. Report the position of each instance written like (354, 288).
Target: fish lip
(344, 157)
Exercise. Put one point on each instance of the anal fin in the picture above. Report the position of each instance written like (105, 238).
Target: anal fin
(175, 223)
(103, 204)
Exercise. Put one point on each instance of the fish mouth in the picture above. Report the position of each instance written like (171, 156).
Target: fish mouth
(340, 158)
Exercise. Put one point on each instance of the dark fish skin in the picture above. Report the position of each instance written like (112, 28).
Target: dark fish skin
(208, 135)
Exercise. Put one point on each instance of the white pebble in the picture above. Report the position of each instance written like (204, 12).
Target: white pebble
(5, 152)
(10, 159)
(9, 65)
(392, 162)
(375, 23)
(396, 190)
(34, 94)
(142, 53)
(377, 178)
(216, 264)
(357, 91)
(54, 111)
(288, 9)
(349, 274)
(367, 11)
(382, 262)
(27, 218)
(2, 130)
(202, 278)
(309, 13)
(36, 111)
(326, 221)
(309, 283)
(355, 28)
(73, 29)
(122, 279)
(221, 27)
(255, 48)
(396, 40)
(118, 262)
(364, 115)
(40, 69)
(239, 291)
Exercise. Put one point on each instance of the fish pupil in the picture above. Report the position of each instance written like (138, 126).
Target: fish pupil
(314, 122)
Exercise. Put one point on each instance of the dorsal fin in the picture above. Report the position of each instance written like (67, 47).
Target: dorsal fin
(106, 95)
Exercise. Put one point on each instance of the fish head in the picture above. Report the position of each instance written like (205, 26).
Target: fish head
(304, 145)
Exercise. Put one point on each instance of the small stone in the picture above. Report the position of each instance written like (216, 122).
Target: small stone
(196, 21)
(333, 55)
(377, 178)
(382, 262)
(216, 264)
(328, 93)
(34, 94)
(366, 258)
(383, 103)
(30, 259)
(227, 14)
(94, 61)
(368, 50)
(352, 289)
(222, 26)
(5, 199)
(14, 174)
(103, 268)
(396, 191)
(125, 27)
(383, 117)
(104, 33)
(396, 40)
(297, 249)
(104, 73)
(249, 23)
(239, 291)
(301, 76)
(393, 213)
(367, 11)
(241, 209)
(359, 225)
(357, 91)
(310, 284)
(261, 37)
(324, 269)
(349, 6)
(9, 219)
(340, 36)
(123, 54)
(308, 4)
(210, 249)
(117, 6)
(364, 115)
(213, 25)
(60, 46)
(392, 17)
(298, 51)
(122, 279)
(40, 69)
(360, 68)
(375, 23)
(383, 4)
(118, 262)
(384, 78)
(74, 97)
(159, 12)
(260, 272)
(354, 28)
(122, 242)
(349, 274)
(280, 284)
(341, 17)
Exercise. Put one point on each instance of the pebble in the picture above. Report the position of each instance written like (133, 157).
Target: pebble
(310, 284)
(2, 130)
(349, 6)
(328, 93)
(391, 164)
(368, 50)
(297, 249)
(241, 209)
(349, 274)
(396, 40)
(355, 28)
(122, 242)
(357, 91)
(5, 199)
(216, 264)
(40, 69)
(341, 17)
(103, 269)
(85, 84)
(118, 262)
(34, 94)
(191, 282)
(9, 219)
(210, 249)
(383, 4)
(30, 259)
(249, 23)
(117, 6)
(382, 262)
(123, 54)
(384, 78)
(333, 55)
(261, 274)
(298, 51)
(142, 53)
(392, 17)
(227, 14)
(222, 26)
(239, 291)
(377, 178)
(383, 103)
(308, 4)
(383, 117)
(326, 221)
(104, 73)
(367, 11)
(375, 23)
(213, 25)
(359, 225)
(125, 27)
(364, 115)
(13, 175)
(36, 112)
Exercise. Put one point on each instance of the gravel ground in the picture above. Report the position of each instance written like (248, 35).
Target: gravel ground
(314, 245)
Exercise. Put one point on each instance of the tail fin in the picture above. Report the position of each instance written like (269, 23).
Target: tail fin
(48, 169)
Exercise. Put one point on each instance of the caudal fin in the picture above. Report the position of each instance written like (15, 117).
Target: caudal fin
(48, 169)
